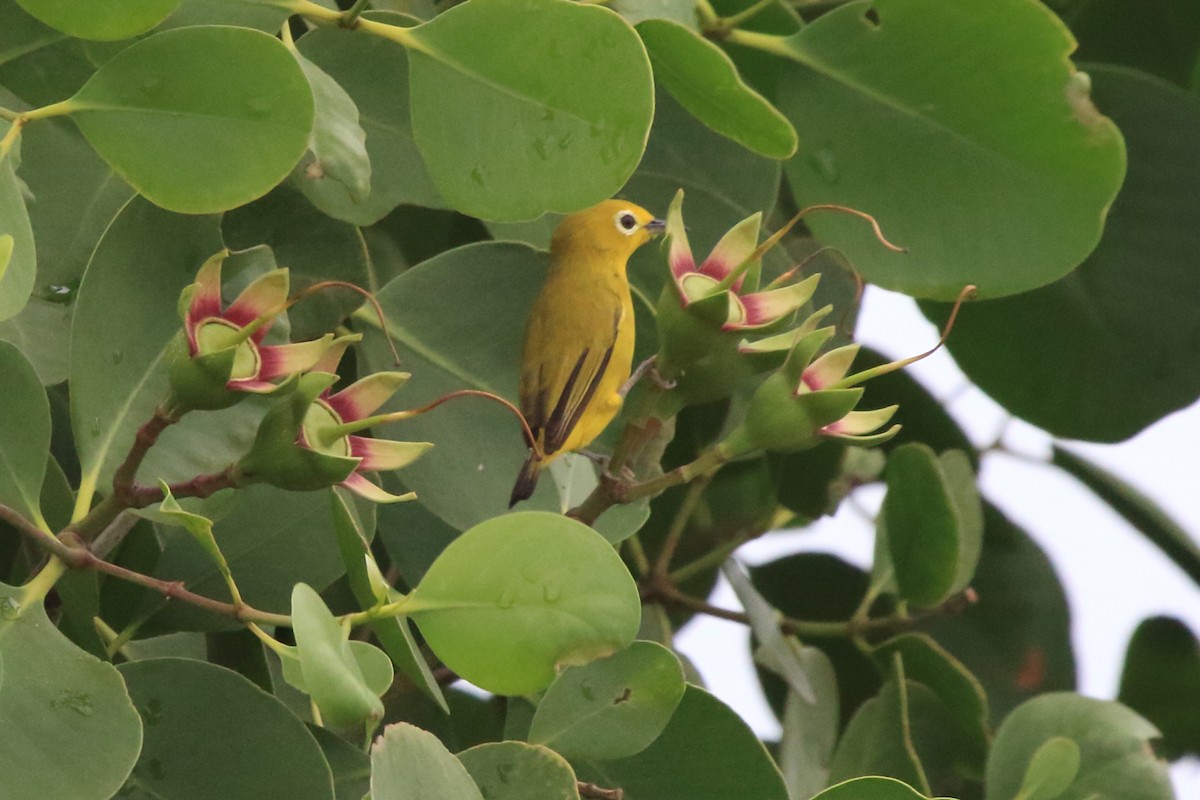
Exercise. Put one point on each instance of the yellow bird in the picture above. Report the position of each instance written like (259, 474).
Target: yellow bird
(578, 350)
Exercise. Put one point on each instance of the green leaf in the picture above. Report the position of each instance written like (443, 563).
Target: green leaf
(118, 372)
(1016, 639)
(932, 544)
(519, 771)
(55, 698)
(198, 119)
(19, 269)
(200, 527)
(1138, 510)
(107, 21)
(706, 753)
(37, 63)
(374, 73)
(810, 730)
(888, 101)
(1161, 681)
(518, 597)
(408, 763)
(194, 708)
(243, 13)
(1101, 335)
(1115, 757)
(372, 663)
(332, 675)
(393, 632)
(705, 81)
(610, 708)
(928, 663)
(567, 119)
(351, 767)
(1051, 770)
(490, 288)
(25, 432)
(879, 741)
(338, 142)
(870, 788)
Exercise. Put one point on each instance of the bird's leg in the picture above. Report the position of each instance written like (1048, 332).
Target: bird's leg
(645, 368)
(602, 461)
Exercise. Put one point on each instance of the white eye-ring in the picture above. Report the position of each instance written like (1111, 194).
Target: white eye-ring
(626, 222)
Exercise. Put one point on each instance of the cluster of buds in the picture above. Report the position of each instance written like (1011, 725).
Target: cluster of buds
(705, 319)
(309, 439)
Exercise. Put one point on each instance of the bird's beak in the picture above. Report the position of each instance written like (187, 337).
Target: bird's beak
(656, 226)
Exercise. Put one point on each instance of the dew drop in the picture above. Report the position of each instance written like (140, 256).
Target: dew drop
(825, 162)
(57, 293)
(155, 768)
(478, 175)
(548, 115)
(10, 609)
(539, 147)
(587, 690)
(505, 772)
(94, 427)
(552, 592)
(261, 105)
(117, 357)
(564, 141)
(152, 712)
(506, 598)
(152, 84)
(79, 702)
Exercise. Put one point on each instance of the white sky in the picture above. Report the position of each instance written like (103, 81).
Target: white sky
(1112, 576)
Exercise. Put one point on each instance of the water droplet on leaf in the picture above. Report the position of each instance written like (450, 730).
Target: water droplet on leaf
(552, 592)
(117, 357)
(478, 175)
(587, 690)
(506, 598)
(260, 106)
(825, 163)
(152, 84)
(505, 771)
(10, 608)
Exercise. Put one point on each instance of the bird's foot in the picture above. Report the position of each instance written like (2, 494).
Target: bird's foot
(645, 368)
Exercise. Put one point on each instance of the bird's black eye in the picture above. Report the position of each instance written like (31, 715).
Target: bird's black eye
(626, 222)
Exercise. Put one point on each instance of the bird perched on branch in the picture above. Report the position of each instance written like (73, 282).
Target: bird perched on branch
(578, 350)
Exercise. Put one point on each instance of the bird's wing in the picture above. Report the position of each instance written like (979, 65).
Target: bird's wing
(564, 368)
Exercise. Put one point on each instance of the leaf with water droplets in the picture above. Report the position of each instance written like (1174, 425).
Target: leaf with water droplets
(55, 695)
(519, 771)
(516, 598)
(613, 707)
(566, 122)
(198, 119)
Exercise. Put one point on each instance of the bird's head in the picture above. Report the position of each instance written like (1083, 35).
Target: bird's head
(617, 226)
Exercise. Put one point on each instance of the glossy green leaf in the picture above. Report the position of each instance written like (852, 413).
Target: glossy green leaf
(1115, 758)
(372, 663)
(337, 143)
(810, 730)
(53, 696)
(25, 433)
(20, 262)
(520, 596)
(107, 21)
(704, 80)
(393, 632)
(870, 788)
(722, 755)
(1051, 770)
(190, 708)
(1138, 510)
(118, 372)
(1102, 335)
(879, 741)
(568, 118)
(198, 119)
(519, 771)
(888, 99)
(932, 545)
(243, 13)
(332, 675)
(408, 763)
(37, 63)
(610, 708)
(1016, 640)
(374, 73)
(1161, 681)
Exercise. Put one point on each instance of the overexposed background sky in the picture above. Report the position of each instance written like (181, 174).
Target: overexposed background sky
(1112, 576)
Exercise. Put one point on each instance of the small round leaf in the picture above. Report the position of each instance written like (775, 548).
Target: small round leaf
(519, 771)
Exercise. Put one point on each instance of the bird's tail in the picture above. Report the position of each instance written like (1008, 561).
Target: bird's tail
(526, 480)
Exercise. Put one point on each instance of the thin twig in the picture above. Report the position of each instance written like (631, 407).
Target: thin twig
(662, 564)
(599, 792)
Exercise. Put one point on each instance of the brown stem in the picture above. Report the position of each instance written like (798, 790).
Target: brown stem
(200, 486)
(81, 558)
(28, 529)
(592, 790)
(143, 440)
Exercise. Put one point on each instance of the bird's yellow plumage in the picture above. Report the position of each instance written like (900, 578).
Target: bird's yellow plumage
(579, 337)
